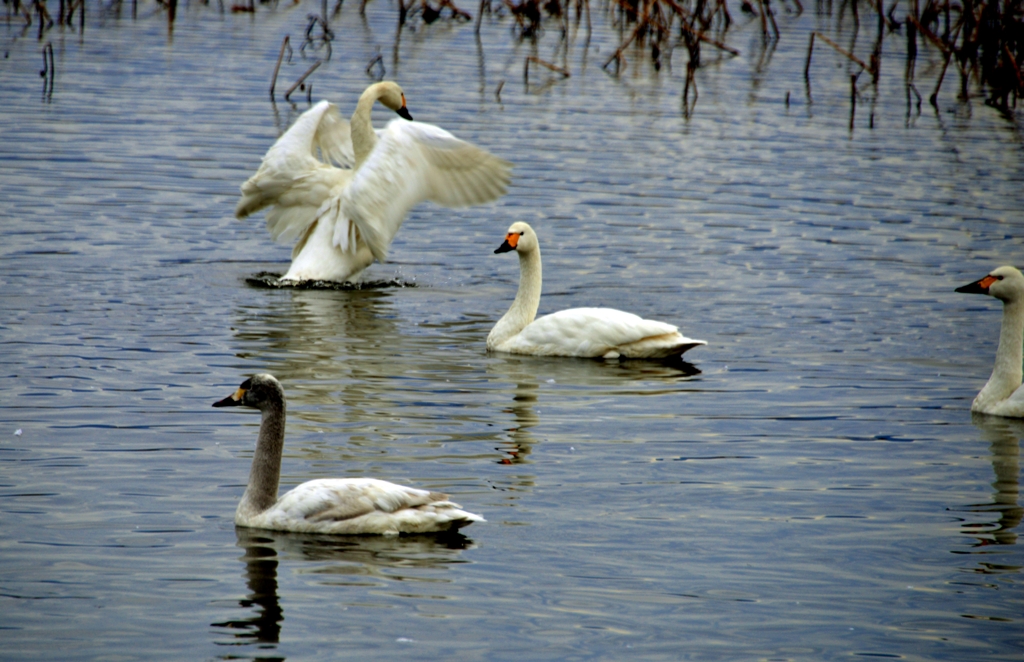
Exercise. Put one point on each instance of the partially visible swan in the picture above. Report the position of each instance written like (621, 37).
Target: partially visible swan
(342, 218)
(328, 505)
(584, 332)
(1002, 395)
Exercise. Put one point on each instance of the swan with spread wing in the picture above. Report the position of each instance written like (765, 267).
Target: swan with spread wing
(340, 189)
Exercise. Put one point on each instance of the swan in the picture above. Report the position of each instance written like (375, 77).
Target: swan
(1002, 395)
(584, 332)
(342, 218)
(328, 505)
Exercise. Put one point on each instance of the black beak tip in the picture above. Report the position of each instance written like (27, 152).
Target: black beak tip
(403, 112)
(504, 248)
(972, 288)
(227, 402)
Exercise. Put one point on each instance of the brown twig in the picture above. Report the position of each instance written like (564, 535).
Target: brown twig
(1016, 69)
(842, 51)
(301, 79)
(537, 60)
(277, 67)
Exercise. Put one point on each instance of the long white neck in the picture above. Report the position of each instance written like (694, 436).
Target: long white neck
(361, 125)
(266, 463)
(524, 308)
(1006, 376)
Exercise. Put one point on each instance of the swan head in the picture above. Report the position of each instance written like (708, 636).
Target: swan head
(520, 238)
(257, 392)
(391, 96)
(1004, 283)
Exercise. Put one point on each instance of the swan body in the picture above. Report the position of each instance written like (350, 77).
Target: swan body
(340, 189)
(1002, 394)
(329, 505)
(582, 332)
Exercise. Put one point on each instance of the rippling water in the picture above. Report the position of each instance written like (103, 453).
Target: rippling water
(814, 487)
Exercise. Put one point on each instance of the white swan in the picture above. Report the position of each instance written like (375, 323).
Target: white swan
(1002, 395)
(329, 505)
(584, 332)
(343, 217)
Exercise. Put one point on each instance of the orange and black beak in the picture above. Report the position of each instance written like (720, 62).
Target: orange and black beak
(233, 400)
(403, 112)
(511, 240)
(979, 286)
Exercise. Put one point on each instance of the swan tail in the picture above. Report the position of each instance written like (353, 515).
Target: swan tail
(659, 347)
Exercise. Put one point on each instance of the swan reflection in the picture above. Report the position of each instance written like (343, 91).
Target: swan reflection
(303, 333)
(527, 374)
(363, 560)
(1003, 435)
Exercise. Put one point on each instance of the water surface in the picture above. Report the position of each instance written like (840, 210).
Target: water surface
(812, 487)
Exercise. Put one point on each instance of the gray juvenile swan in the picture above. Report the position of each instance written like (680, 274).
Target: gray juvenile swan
(342, 218)
(583, 332)
(328, 505)
(1002, 394)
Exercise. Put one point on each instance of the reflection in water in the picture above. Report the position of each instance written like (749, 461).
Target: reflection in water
(263, 627)
(523, 409)
(303, 332)
(394, 558)
(527, 372)
(337, 343)
(1004, 434)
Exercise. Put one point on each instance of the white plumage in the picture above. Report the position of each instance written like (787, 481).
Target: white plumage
(341, 190)
(1002, 394)
(328, 505)
(583, 332)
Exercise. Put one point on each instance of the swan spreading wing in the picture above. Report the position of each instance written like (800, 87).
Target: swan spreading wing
(341, 214)
(413, 162)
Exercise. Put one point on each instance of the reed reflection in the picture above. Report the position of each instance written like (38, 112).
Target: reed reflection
(1004, 436)
(384, 558)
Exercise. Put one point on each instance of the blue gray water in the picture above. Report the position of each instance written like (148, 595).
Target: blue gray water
(815, 488)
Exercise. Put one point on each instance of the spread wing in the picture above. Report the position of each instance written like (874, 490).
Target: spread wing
(410, 163)
(307, 166)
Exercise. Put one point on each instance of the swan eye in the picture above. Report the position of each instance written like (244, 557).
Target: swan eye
(999, 277)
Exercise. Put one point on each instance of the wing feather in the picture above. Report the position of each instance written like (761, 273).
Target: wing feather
(340, 499)
(413, 162)
(292, 179)
(587, 332)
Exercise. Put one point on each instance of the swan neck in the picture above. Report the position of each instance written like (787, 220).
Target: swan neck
(1011, 342)
(364, 138)
(524, 309)
(1006, 375)
(265, 473)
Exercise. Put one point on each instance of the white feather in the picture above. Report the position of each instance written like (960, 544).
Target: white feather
(1002, 394)
(342, 215)
(328, 505)
(582, 332)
